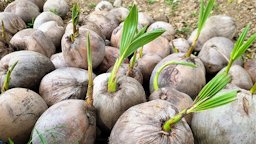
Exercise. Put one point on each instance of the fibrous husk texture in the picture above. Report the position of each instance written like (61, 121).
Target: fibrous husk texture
(143, 124)
(67, 122)
(20, 109)
(232, 123)
(183, 78)
(26, 10)
(33, 40)
(110, 106)
(29, 71)
(75, 53)
(64, 83)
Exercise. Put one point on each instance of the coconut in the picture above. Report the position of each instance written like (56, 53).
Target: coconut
(169, 33)
(70, 121)
(180, 44)
(183, 78)
(103, 6)
(29, 71)
(250, 67)
(215, 26)
(45, 17)
(26, 10)
(75, 53)
(110, 106)
(232, 123)
(105, 24)
(33, 40)
(159, 46)
(120, 13)
(215, 53)
(145, 19)
(39, 3)
(240, 77)
(12, 22)
(60, 7)
(53, 31)
(58, 61)
(147, 64)
(143, 124)
(20, 109)
(64, 83)
(180, 100)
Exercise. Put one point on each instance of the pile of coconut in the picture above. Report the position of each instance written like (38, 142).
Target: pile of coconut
(118, 76)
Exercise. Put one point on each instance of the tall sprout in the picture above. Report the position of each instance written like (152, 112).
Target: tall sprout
(205, 11)
(75, 20)
(208, 98)
(89, 99)
(130, 42)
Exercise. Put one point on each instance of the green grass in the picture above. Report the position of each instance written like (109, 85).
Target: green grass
(92, 5)
(151, 1)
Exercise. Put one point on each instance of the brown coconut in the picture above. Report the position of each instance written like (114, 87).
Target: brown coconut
(180, 100)
(29, 71)
(71, 121)
(110, 106)
(183, 78)
(58, 60)
(45, 17)
(53, 31)
(145, 19)
(143, 124)
(169, 29)
(231, 123)
(250, 67)
(39, 3)
(60, 7)
(103, 6)
(12, 22)
(64, 83)
(180, 44)
(20, 109)
(26, 10)
(216, 53)
(120, 13)
(75, 53)
(33, 40)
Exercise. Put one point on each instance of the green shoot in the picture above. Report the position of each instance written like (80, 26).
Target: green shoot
(75, 20)
(41, 137)
(5, 86)
(205, 11)
(253, 89)
(31, 23)
(209, 97)
(10, 141)
(134, 57)
(155, 83)
(130, 42)
(89, 99)
(240, 46)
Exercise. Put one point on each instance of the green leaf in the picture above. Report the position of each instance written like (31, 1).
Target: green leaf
(142, 40)
(10, 141)
(129, 29)
(75, 13)
(141, 32)
(218, 100)
(214, 86)
(204, 13)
